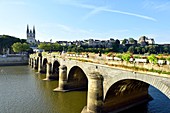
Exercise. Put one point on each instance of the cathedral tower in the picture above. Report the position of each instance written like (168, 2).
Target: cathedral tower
(31, 35)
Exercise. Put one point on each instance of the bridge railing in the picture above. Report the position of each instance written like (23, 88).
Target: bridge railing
(138, 64)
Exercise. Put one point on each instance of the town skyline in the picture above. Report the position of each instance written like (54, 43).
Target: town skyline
(70, 20)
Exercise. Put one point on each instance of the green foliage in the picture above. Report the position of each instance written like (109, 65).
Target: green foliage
(131, 49)
(143, 50)
(138, 49)
(19, 47)
(132, 41)
(126, 57)
(152, 58)
(44, 46)
(119, 55)
(153, 49)
(124, 41)
(137, 56)
(50, 46)
(168, 59)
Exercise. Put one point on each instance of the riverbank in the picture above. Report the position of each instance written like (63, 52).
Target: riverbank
(13, 60)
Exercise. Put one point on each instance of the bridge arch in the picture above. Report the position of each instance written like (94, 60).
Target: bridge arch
(77, 78)
(44, 67)
(154, 81)
(55, 67)
(37, 62)
(126, 92)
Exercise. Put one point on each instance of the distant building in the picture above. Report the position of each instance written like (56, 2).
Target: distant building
(31, 35)
(143, 40)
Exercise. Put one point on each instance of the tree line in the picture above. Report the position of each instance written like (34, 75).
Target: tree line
(116, 47)
(20, 45)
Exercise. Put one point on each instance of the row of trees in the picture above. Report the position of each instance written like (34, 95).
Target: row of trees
(151, 49)
(116, 47)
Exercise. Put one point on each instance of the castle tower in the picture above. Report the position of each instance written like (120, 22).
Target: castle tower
(31, 35)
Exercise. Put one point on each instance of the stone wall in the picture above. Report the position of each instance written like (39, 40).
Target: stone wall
(14, 60)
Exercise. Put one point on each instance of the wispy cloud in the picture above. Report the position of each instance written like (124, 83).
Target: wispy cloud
(131, 14)
(97, 9)
(157, 5)
(93, 12)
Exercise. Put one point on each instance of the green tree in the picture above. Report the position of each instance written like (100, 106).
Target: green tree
(153, 49)
(165, 49)
(138, 49)
(19, 47)
(126, 57)
(131, 49)
(132, 41)
(143, 50)
(152, 58)
(125, 41)
(44, 46)
(25, 47)
(56, 47)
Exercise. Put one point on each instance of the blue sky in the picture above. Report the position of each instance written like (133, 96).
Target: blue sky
(84, 19)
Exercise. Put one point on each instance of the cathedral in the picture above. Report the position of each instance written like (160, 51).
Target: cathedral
(30, 35)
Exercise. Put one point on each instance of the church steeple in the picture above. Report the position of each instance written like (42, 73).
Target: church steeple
(34, 29)
(27, 29)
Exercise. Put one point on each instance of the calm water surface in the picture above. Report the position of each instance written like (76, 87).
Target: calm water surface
(22, 90)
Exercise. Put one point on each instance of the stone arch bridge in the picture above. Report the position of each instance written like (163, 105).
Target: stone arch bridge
(109, 88)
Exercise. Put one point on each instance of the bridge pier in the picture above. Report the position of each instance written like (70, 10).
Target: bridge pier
(30, 62)
(95, 94)
(62, 79)
(34, 64)
(48, 72)
(40, 65)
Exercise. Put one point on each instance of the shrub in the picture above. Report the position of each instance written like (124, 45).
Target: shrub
(152, 59)
(126, 57)
(168, 59)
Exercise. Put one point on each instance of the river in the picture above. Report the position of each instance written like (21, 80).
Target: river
(22, 90)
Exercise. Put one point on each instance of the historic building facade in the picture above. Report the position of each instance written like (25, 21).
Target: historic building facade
(31, 35)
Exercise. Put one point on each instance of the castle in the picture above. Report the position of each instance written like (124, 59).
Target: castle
(31, 35)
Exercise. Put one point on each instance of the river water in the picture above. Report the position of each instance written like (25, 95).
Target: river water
(22, 90)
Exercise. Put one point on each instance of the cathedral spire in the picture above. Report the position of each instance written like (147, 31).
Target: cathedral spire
(27, 28)
(34, 29)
